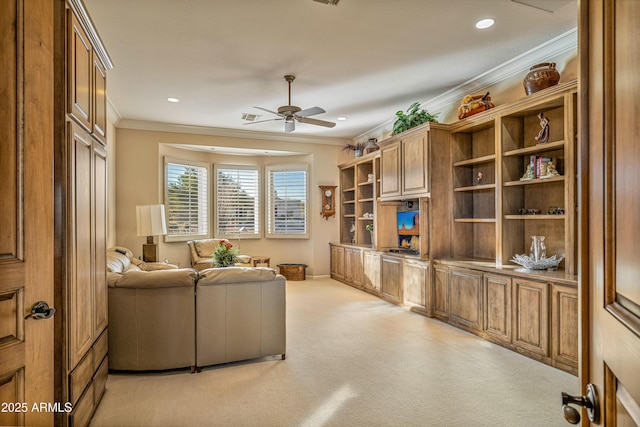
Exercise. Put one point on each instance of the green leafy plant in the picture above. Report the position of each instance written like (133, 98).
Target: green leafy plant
(369, 227)
(358, 146)
(225, 255)
(412, 119)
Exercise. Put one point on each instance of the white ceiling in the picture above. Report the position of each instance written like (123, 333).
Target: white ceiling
(363, 59)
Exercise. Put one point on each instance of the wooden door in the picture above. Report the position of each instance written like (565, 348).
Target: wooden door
(390, 170)
(391, 278)
(415, 164)
(609, 134)
(26, 210)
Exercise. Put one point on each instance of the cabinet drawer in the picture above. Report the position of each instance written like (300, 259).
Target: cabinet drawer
(100, 350)
(83, 410)
(81, 376)
(100, 380)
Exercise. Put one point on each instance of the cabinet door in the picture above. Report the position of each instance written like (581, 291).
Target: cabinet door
(415, 165)
(564, 326)
(99, 100)
(465, 300)
(353, 267)
(530, 316)
(100, 297)
(391, 273)
(416, 284)
(441, 291)
(79, 74)
(497, 302)
(390, 170)
(371, 278)
(80, 313)
(337, 262)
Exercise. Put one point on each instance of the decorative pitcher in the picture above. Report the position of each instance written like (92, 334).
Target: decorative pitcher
(538, 249)
(541, 76)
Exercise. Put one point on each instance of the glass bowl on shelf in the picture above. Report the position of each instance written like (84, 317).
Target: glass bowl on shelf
(543, 263)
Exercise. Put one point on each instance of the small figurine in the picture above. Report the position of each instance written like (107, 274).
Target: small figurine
(479, 177)
(543, 135)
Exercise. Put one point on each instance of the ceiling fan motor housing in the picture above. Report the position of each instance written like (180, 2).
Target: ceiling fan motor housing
(288, 110)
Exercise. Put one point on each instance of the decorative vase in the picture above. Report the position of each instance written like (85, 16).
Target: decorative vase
(357, 153)
(541, 76)
(538, 249)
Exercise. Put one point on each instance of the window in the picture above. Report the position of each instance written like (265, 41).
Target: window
(287, 203)
(186, 199)
(237, 201)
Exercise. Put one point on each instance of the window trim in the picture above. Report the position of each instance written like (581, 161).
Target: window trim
(193, 163)
(259, 204)
(294, 167)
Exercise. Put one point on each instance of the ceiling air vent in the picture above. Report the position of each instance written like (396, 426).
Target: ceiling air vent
(331, 2)
(250, 117)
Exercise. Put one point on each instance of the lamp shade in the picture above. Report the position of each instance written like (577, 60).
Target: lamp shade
(151, 220)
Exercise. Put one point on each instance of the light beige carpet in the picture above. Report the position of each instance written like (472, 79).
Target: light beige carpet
(352, 360)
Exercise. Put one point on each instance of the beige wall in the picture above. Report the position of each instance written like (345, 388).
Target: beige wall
(139, 181)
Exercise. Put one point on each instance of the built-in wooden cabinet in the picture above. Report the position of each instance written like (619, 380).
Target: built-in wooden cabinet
(441, 291)
(405, 161)
(353, 267)
(465, 299)
(359, 181)
(564, 323)
(81, 176)
(337, 262)
(497, 307)
(371, 271)
(391, 278)
(416, 285)
(497, 207)
(531, 315)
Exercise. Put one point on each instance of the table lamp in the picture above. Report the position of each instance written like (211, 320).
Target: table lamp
(151, 222)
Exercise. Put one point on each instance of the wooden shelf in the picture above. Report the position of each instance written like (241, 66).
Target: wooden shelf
(366, 200)
(365, 219)
(349, 215)
(476, 187)
(348, 202)
(535, 217)
(476, 161)
(476, 220)
(366, 183)
(346, 190)
(534, 181)
(539, 148)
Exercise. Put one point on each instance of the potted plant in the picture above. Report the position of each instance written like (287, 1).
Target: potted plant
(225, 255)
(357, 148)
(412, 119)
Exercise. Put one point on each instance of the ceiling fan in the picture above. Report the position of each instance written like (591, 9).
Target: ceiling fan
(292, 114)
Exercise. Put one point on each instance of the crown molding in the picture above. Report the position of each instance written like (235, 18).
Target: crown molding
(559, 45)
(113, 115)
(231, 133)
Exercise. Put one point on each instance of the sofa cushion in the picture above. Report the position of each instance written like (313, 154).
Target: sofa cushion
(235, 275)
(157, 279)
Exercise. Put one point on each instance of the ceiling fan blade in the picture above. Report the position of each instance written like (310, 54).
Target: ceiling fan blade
(268, 111)
(316, 122)
(310, 112)
(289, 126)
(262, 121)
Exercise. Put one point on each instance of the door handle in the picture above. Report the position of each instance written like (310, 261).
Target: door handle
(589, 401)
(40, 310)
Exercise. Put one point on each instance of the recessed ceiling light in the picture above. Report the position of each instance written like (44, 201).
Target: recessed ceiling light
(173, 100)
(484, 23)
(342, 118)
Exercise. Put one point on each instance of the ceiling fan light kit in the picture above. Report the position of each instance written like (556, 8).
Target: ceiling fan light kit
(292, 114)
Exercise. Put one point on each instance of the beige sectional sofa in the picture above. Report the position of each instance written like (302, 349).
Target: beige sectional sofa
(163, 317)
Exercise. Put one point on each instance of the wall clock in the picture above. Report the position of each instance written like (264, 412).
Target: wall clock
(328, 200)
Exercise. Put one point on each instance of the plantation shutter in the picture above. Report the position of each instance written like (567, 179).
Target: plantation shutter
(186, 199)
(287, 201)
(237, 201)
